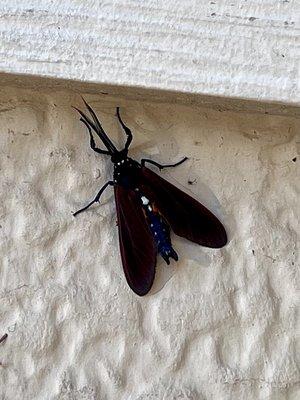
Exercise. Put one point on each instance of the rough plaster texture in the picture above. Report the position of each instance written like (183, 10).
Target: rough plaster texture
(247, 49)
(219, 330)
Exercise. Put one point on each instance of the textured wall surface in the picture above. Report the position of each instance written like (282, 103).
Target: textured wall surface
(246, 49)
(220, 329)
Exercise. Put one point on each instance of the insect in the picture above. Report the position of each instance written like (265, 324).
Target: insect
(3, 338)
(148, 208)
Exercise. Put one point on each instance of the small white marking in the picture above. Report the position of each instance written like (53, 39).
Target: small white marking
(149, 208)
(145, 201)
(122, 161)
(118, 163)
(151, 225)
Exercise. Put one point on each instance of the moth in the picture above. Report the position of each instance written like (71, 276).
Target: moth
(148, 208)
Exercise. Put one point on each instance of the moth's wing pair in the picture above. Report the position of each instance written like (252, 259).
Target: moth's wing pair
(186, 216)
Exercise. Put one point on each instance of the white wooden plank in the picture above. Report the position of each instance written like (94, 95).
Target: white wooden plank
(236, 49)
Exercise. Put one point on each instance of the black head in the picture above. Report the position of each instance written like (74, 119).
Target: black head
(119, 156)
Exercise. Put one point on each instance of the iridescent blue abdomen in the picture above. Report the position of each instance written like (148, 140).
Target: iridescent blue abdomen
(160, 231)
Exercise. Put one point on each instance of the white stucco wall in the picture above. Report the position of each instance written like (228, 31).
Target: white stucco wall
(222, 329)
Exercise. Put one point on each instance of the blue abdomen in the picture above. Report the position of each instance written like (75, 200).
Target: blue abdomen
(160, 231)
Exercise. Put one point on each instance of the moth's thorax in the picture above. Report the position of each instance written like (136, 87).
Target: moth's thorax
(124, 172)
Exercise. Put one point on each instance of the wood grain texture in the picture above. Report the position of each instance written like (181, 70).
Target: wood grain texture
(245, 49)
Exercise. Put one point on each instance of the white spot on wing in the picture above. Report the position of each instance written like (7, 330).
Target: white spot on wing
(145, 201)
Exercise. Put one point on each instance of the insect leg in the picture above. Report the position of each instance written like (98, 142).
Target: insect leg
(160, 166)
(92, 141)
(97, 198)
(126, 129)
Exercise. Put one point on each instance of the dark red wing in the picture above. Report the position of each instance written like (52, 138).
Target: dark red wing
(187, 217)
(138, 250)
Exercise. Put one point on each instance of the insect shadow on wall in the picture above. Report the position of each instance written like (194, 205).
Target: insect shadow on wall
(148, 208)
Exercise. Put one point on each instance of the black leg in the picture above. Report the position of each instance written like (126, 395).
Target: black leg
(92, 141)
(144, 160)
(126, 129)
(97, 198)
